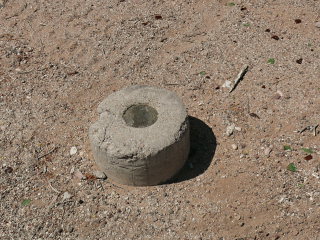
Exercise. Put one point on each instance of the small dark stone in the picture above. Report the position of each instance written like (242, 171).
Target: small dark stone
(80, 201)
(299, 61)
(263, 86)
(268, 30)
(8, 170)
(158, 17)
(297, 21)
(243, 9)
(275, 37)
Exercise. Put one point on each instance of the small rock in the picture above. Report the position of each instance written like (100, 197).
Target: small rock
(234, 146)
(267, 151)
(8, 170)
(317, 24)
(73, 151)
(227, 84)
(79, 175)
(66, 196)
(280, 93)
(99, 174)
(230, 130)
(277, 96)
(238, 129)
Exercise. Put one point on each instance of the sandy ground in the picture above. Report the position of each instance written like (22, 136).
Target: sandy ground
(59, 59)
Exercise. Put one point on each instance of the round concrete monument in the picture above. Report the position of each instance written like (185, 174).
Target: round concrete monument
(142, 136)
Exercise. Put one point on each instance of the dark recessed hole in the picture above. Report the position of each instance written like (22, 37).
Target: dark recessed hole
(140, 116)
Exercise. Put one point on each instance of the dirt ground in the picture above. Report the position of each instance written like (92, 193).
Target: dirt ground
(252, 172)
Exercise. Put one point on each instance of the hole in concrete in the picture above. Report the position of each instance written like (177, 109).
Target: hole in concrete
(140, 116)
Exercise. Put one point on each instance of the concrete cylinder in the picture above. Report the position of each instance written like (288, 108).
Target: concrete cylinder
(142, 136)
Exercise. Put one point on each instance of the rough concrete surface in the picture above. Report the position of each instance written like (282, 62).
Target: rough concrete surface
(59, 59)
(141, 156)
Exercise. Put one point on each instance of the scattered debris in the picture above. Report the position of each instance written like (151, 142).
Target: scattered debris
(239, 77)
(74, 72)
(100, 175)
(66, 196)
(55, 190)
(73, 150)
(254, 115)
(315, 130)
(90, 177)
(46, 154)
(309, 128)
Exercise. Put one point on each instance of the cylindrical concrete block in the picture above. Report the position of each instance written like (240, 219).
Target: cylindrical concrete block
(142, 136)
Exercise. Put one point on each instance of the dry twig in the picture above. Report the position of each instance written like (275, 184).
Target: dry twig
(239, 77)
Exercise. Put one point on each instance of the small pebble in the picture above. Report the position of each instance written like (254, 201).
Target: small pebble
(79, 175)
(230, 130)
(234, 146)
(277, 96)
(227, 84)
(317, 24)
(66, 196)
(99, 174)
(8, 170)
(267, 151)
(238, 129)
(73, 151)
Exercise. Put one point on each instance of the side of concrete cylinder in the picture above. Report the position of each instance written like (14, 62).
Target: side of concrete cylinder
(154, 169)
